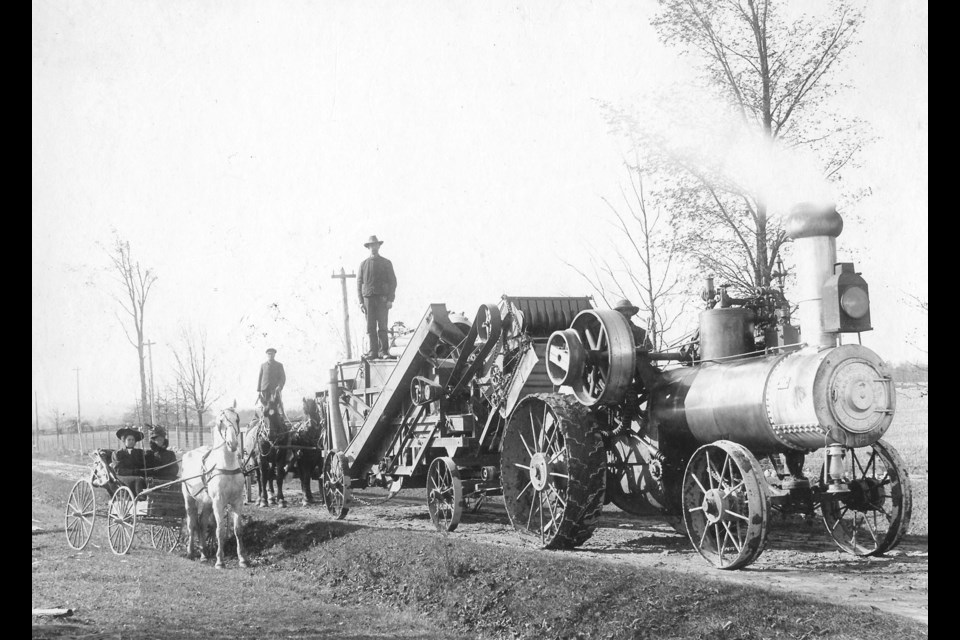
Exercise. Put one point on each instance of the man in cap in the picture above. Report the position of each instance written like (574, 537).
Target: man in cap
(628, 310)
(376, 286)
(271, 381)
(128, 461)
(161, 462)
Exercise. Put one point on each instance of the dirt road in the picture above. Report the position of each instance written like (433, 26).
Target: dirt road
(800, 557)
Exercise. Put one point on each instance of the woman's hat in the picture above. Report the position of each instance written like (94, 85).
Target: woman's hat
(158, 432)
(372, 240)
(123, 432)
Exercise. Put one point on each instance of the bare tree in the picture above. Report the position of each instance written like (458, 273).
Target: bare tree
(194, 372)
(646, 273)
(776, 75)
(135, 283)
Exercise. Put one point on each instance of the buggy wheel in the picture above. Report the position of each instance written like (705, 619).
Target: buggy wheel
(80, 514)
(553, 470)
(872, 517)
(121, 520)
(165, 538)
(444, 494)
(336, 485)
(725, 505)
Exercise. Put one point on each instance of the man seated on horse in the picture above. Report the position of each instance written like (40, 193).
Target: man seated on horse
(128, 461)
(161, 462)
(271, 381)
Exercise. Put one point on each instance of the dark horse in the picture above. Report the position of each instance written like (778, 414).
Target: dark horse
(308, 455)
(270, 452)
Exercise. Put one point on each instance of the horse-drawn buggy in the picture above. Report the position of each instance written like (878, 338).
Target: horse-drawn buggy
(158, 509)
(207, 489)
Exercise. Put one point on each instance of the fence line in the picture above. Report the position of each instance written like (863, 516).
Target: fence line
(69, 441)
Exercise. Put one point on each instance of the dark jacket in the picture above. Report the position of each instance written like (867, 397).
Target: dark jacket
(376, 278)
(272, 376)
(128, 462)
(157, 457)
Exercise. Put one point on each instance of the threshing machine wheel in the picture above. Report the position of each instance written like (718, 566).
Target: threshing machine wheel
(165, 538)
(635, 476)
(725, 504)
(565, 357)
(553, 469)
(444, 494)
(610, 356)
(875, 514)
(121, 520)
(336, 485)
(80, 514)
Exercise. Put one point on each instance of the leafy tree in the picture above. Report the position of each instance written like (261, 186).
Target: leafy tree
(776, 73)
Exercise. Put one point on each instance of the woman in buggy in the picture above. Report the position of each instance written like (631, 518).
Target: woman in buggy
(161, 462)
(128, 461)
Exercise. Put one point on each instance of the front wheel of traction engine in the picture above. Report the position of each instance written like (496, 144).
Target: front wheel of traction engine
(725, 505)
(874, 515)
(553, 468)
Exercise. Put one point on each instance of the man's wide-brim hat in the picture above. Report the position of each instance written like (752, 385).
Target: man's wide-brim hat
(127, 431)
(626, 305)
(372, 240)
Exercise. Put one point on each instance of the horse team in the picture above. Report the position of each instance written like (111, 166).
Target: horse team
(213, 475)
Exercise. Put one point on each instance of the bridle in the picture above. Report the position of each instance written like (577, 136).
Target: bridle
(234, 426)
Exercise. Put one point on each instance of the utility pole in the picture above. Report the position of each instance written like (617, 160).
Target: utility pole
(153, 416)
(79, 429)
(36, 410)
(343, 275)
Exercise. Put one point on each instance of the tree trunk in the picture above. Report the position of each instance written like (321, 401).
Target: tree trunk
(200, 422)
(762, 276)
(143, 379)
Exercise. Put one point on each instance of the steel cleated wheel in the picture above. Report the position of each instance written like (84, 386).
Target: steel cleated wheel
(444, 494)
(336, 485)
(80, 514)
(553, 469)
(725, 505)
(164, 538)
(121, 520)
(874, 515)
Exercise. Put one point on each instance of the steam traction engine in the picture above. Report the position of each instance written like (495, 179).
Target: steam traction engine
(685, 441)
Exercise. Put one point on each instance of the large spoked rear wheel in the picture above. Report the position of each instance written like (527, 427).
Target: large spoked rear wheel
(165, 538)
(336, 485)
(444, 494)
(553, 469)
(875, 514)
(725, 505)
(121, 520)
(80, 514)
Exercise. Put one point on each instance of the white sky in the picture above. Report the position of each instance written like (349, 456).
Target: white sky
(247, 150)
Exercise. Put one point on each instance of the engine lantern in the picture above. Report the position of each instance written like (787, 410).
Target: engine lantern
(846, 301)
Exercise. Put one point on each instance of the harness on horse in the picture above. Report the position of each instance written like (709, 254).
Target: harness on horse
(206, 474)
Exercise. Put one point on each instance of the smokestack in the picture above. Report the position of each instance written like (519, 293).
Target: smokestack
(814, 229)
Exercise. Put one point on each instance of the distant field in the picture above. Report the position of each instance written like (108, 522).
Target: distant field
(908, 434)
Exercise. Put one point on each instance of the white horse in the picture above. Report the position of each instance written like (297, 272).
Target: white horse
(214, 481)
